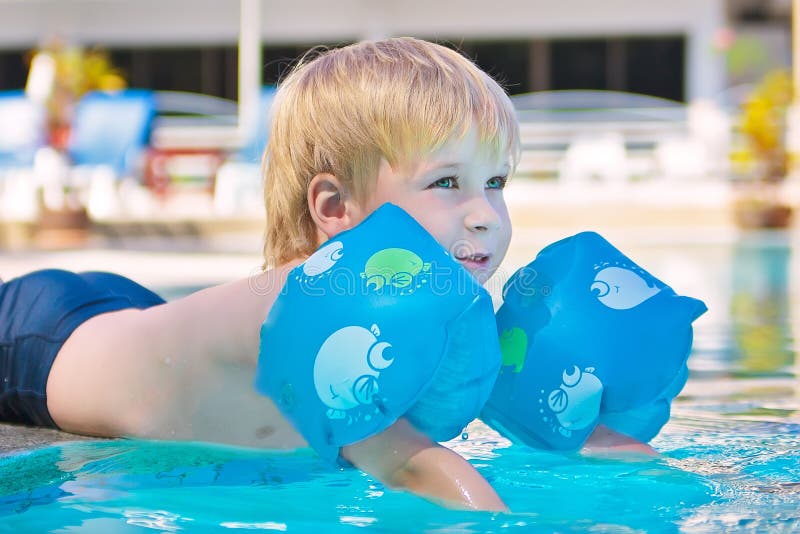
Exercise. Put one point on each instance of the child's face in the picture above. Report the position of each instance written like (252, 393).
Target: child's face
(456, 193)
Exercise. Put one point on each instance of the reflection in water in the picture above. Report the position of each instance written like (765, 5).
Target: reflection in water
(105, 471)
(762, 337)
(31, 478)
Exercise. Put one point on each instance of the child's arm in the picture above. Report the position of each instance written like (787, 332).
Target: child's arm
(404, 458)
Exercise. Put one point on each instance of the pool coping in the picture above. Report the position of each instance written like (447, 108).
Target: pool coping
(16, 438)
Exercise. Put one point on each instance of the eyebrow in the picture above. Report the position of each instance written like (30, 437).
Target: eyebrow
(440, 166)
(453, 165)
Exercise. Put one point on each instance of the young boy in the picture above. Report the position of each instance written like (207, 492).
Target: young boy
(399, 120)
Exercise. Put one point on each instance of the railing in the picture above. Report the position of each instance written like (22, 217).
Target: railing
(553, 122)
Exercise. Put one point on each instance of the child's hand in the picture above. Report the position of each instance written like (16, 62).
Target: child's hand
(403, 458)
(606, 442)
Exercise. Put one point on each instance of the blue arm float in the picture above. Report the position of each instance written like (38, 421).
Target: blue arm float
(587, 336)
(645, 422)
(380, 322)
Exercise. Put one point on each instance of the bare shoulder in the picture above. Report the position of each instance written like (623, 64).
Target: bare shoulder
(137, 372)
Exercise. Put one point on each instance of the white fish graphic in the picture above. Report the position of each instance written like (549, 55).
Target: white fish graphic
(621, 289)
(576, 403)
(347, 367)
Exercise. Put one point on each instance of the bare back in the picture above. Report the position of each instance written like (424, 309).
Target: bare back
(182, 370)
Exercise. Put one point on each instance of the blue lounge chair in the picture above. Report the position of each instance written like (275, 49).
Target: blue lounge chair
(112, 129)
(21, 131)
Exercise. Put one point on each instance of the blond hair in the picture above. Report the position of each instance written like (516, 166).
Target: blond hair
(344, 110)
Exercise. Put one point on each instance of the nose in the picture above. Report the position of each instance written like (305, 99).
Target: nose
(481, 216)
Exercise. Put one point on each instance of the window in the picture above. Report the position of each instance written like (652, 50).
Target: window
(578, 64)
(655, 66)
(13, 69)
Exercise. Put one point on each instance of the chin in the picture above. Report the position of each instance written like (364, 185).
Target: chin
(482, 275)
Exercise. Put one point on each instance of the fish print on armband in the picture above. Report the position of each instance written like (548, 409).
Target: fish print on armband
(320, 264)
(575, 404)
(397, 269)
(346, 372)
(620, 286)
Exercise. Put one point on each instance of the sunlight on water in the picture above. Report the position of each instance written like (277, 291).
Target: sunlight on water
(730, 455)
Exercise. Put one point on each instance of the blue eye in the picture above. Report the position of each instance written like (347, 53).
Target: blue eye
(498, 182)
(450, 182)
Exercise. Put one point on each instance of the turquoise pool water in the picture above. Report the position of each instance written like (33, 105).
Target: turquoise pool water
(730, 455)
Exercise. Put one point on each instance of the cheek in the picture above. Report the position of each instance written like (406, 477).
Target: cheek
(430, 211)
(505, 223)
(432, 219)
(378, 199)
(507, 230)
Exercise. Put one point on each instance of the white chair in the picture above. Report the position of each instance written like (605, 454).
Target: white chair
(595, 158)
(22, 132)
(681, 158)
(700, 153)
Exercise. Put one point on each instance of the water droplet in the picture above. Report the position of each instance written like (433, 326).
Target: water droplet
(287, 397)
(464, 436)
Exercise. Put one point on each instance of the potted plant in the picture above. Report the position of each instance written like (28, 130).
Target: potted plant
(59, 76)
(762, 160)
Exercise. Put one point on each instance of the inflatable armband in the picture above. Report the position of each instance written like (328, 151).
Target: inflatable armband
(380, 322)
(588, 336)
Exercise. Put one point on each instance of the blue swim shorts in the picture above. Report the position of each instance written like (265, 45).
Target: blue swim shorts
(38, 312)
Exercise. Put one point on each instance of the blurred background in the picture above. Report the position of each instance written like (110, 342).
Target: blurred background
(117, 110)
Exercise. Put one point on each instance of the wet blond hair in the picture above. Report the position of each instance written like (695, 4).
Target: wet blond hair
(343, 110)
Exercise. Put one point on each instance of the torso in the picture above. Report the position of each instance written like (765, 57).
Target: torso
(183, 370)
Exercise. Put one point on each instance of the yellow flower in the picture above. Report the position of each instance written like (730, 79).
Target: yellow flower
(763, 121)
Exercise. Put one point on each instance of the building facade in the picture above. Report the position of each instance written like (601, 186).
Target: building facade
(665, 48)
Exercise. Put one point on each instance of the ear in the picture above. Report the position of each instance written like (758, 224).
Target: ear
(331, 206)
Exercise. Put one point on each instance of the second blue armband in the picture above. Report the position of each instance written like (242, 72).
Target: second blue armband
(588, 336)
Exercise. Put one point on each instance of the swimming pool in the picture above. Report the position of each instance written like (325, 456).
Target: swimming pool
(731, 453)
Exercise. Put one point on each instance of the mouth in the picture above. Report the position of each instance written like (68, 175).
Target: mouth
(475, 261)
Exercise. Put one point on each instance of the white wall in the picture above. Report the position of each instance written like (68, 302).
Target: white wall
(173, 22)
(114, 22)
(705, 68)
